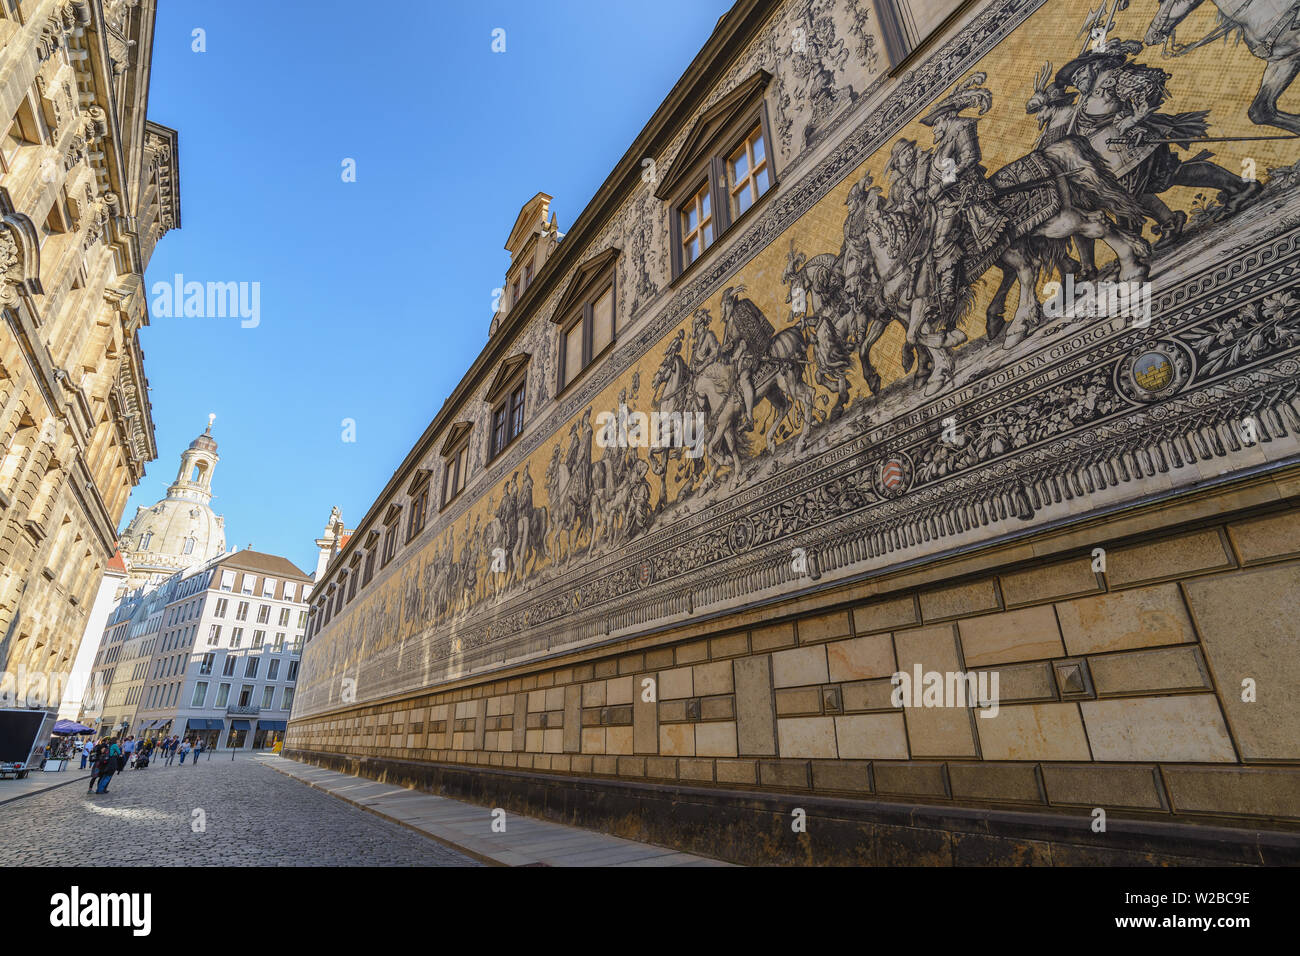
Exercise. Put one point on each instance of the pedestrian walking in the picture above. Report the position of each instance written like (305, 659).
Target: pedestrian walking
(169, 751)
(185, 748)
(85, 754)
(109, 762)
(128, 747)
(198, 750)
(96, 754)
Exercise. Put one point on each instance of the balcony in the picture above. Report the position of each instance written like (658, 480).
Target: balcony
(243, 710)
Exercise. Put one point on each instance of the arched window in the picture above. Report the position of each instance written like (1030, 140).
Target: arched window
(144, 542)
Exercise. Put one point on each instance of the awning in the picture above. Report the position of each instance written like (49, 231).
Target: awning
(271, 725)
(203, 723)
(239, 725)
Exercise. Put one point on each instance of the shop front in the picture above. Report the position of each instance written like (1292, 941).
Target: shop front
(238, 736)
(269, 734)
(206, 730)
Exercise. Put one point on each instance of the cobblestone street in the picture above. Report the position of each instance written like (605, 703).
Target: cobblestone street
(253, 816)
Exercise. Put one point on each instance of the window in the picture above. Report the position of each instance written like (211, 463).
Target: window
(205, 664)
(268, 587)
(200, 694)
(286, 700)
(296, 647)
(697, 224)
(250, 666)
(721, 171)
(390, 543)
(259, 638)
(264, 614)
(507, 415)
(293, 671)
(214, 636)
(586, 316)
(223, 695)
(145, 541)
(278, 646)
(241, 612)
(273, 669)
(245, 695)
(284, 617)
(220, 610)
(419, 509)
(236, 637)
(290, 591)
(747, 177)
(302, 619)
(228, 668)
(268, 696)
(247, 585)
(189, 546)
(456, 453)
(353, 577)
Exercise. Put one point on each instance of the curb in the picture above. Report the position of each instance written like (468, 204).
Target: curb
(466, 851)
(32, 793)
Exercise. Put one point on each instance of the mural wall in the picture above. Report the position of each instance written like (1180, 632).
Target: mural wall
(1049, 270)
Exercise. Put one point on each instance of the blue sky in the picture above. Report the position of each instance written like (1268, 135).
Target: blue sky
(375, 295)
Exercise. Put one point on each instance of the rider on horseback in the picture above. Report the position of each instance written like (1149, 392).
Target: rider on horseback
(961, 196)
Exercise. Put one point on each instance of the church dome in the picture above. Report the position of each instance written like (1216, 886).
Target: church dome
(173, 535)
(181, 531)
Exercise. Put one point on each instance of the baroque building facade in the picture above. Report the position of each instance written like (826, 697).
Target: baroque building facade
(88, 185)
(906, 432)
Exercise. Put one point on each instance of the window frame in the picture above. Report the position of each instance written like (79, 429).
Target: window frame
(702, 163)
(583, 311)
(417, 520)
(457, 465)
(506, 407)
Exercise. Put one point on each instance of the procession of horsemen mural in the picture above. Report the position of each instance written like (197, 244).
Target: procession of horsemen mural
(1089, 143)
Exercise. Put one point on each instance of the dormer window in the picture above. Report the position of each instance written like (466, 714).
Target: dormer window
(390, 535)
(456, 454)
(506, 397)
(587, 316)
(419, 505)
(697, 224)
(720, 173)
(747, 171)
(508, 420)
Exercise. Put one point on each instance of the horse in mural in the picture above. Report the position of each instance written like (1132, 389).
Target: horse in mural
(1271, 29)
(754, 364)
(570, 505)
(815, 288)
(672, 398)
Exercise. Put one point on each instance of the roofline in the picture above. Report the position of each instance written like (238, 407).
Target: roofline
(733, 32)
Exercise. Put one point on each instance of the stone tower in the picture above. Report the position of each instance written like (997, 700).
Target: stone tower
(331, 542)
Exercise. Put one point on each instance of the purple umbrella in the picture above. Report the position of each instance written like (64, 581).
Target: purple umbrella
(64, 728)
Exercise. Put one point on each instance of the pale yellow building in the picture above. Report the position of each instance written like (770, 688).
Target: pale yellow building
(986, 316)
(88, 185)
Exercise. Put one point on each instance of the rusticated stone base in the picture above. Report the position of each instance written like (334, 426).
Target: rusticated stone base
(757, 828)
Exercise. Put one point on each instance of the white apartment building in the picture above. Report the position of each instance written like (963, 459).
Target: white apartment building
(212, 654)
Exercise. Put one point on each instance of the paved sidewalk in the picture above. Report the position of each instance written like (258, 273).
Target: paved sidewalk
(468, 828)
(39, 781)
